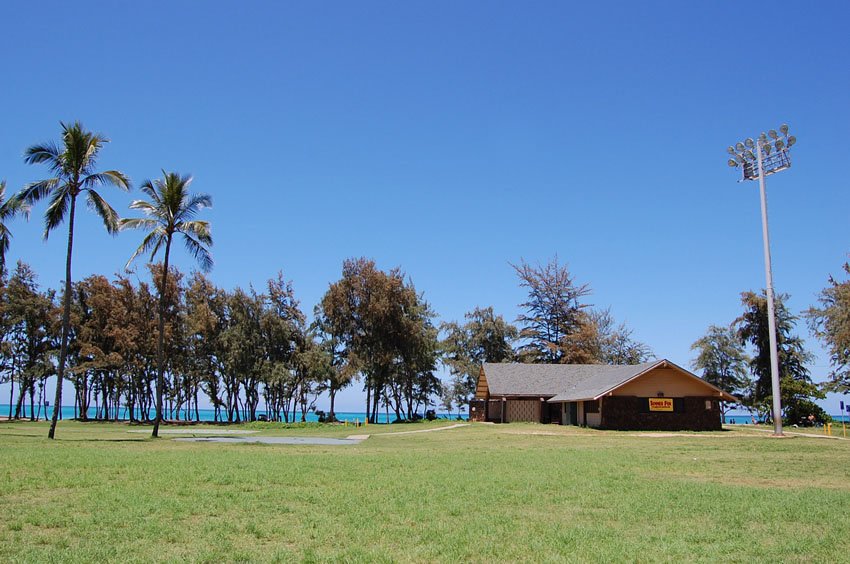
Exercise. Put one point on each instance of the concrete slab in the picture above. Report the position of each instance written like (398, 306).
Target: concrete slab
(208, 432)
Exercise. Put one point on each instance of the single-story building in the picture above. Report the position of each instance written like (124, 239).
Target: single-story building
(656, 395)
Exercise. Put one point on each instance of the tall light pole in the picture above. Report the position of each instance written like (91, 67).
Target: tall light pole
(767, 155)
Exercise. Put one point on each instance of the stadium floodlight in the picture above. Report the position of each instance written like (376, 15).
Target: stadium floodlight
(730, 150)
(760, 160)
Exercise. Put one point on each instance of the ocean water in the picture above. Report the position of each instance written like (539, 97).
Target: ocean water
(209, 414)
(352, 416)
(746, 419)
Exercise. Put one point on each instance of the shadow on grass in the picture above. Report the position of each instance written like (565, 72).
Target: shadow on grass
(72, 440)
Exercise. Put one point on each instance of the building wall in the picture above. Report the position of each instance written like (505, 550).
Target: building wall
(631, 413)
(477, 410)
(523, 410)
(668, 381)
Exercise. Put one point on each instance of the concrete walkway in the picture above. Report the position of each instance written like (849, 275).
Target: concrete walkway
(349, 440)
(422, 430)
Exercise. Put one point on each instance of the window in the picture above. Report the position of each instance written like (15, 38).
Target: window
(591, 406)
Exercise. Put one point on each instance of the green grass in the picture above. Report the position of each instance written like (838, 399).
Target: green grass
(481, 493)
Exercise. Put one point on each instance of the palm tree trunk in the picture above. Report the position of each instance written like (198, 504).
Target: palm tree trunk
(160, 345)
(66, 323)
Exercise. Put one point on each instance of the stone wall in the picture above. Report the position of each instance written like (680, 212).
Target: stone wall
(632, 413)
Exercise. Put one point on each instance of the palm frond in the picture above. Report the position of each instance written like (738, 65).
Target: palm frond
(192, 204)
(137, 223)
(47, 152)
(146, 207)
(104, 210)
(148, 188)
(198, 252)
(114, 177)
(151, 243)
(200, 201)
(54, 215)
(32, 193)
(4, 247)
(5, 238)
(199, 230)
(94, 143)
(169, 211)
(13, 206)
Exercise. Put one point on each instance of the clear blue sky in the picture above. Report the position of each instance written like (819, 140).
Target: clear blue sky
(451, 138)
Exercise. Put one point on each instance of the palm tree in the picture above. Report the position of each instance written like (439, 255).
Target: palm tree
(8, 209)
(171, 210)
(73, 166)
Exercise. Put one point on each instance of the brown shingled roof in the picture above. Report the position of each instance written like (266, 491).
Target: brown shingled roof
(571, 382)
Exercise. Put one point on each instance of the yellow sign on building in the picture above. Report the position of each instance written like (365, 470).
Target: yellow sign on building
(661, 404)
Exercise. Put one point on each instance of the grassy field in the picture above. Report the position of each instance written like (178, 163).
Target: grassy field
(481, 493)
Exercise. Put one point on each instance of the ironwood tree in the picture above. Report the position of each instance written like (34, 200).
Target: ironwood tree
(615, 343)
(558, 327)
(830, 322)
(484, 337)
(31, 324)
(205, 318)
(288, 369)
(98, 365)
(386, 331)
(722, 360)
(796, 386)
(340, 372)
(554, 314)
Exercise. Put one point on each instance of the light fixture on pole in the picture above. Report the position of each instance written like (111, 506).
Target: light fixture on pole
(758, 158)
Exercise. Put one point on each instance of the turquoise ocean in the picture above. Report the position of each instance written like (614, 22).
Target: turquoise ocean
(352, 416)
(209, 414)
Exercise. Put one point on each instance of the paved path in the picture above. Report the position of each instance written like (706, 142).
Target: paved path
(349, 440)
(422, 430)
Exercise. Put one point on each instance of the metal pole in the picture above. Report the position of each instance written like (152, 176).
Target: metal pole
(771, 314)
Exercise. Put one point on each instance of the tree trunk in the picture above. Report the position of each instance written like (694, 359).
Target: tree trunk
(368, 396)
(160, 345)
(32, 400)
(66, 322)
(12, 388)
(22, 393)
